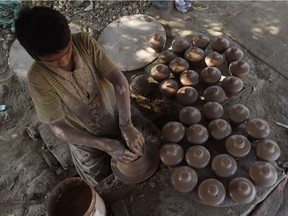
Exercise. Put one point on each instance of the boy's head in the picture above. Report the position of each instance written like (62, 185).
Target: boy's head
(42, 31)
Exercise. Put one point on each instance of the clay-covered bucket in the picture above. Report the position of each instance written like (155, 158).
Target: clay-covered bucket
(73, 196)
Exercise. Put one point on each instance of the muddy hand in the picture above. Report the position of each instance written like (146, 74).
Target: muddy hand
(117, 151)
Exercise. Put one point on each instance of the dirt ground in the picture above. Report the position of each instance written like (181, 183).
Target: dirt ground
(27, 172)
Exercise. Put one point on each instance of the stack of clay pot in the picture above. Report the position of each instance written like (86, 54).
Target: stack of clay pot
(206, 136)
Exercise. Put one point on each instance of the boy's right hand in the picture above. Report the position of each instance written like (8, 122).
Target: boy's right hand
(117, 151)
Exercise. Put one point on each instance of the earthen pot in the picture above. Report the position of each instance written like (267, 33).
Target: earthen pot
(160, 72)
(239, 69)
(187, 95)
(257, 128)
(214, 59)
(263, 174)
(238, 145)
(219, 129)
(140, 85)
(201, 41)
(184, 179)
(178, 65)
(232, 85)
(210, 75)
(214, 93)
(220, 44)
(238, 113)
(189, 115)
(224, 165)
(211, 192)
(268, 150)
(213, 110)
(166, 56)
(242, 190)
(189, 78)
(233, 54)
(194, 55)
(180, 45)
(157, 42)
(169, 87)
(197, 134)
(197, 157)
(171, 154)
(173, 131)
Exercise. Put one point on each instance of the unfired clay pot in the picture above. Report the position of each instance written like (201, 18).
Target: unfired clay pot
(213, 110)
(263, 174)
(180, 45)
(189, 78)
(157, 42)
(187, 95)
(268, 150)
(169, 87)
(211, 192)
(257, 128)
(214, 93)
(238, 145)
(166, 56)
(197, 134)
(210, 75)
(178, 65)
(242, 190)
(233, 54)
(160, 72)
(194, 55)
(214, 59)
(232, 85)
(171, 154)
(238, 113)
(239, 69)
(220, 44)
(173, 131)
(140, 85)
(197, 157)
(219, 129)
(184, 179)
(201, 41)
(224, 165)
(189, 115)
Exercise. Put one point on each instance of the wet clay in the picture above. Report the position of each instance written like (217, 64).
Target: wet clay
(201, 41)
(214, 93)
(189, 78)
(242, 190)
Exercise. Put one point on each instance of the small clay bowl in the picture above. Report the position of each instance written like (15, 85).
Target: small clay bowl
(160, 72)
(157, 42)
(189, 78)
(201, 41)
(194, 55)
(257, 128)
(169, 87)
(219, 129)
(242, 190)
(232, 85)
(173, 131)
(239, 69)
(268, 150)
(187, 95)
(197, 134)
(233, 54)
(211, 192)
(238, 113)
(214, 93)
(210, 75)
(189, 115)
(178, 65)
(166, 56)
(214, 59)
(220, 44)
(171, 154)
(213, 110)
(263, 174)
(238, 145)
(140, 85)
(180, 45)
(224, 165)
(184, 179)
(197, 157)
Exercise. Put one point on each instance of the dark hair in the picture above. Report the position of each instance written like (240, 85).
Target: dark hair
(42, 31)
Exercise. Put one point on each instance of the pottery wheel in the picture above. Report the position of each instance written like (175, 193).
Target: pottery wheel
(126, 41)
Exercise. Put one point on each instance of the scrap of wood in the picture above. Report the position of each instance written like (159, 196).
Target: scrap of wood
(281, 125)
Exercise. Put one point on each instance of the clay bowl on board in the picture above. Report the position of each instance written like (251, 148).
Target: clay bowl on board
(242, 190)
(238, 113)
(201, 41)
(140, 85)
(219, 129)
(220, 43)
(157, 42)
(212, 110)
(233, 54)
(189, 115)
(238, 145)
(187, 95)
(257, 128)
(178, 65)
(194, 55)
(180, 45)
(214, 59)
(169, 87)
(210, 75)
(160, 72)
(166, 56)
(214, 93)
(173, 131)
(189, 78)
(171, 154)
(197, 157)
(224, 165)
(197, 134)
(211, 192)
(232, 85)
(263, 174)
(239, 69)
(184, 179)
(268, 150)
